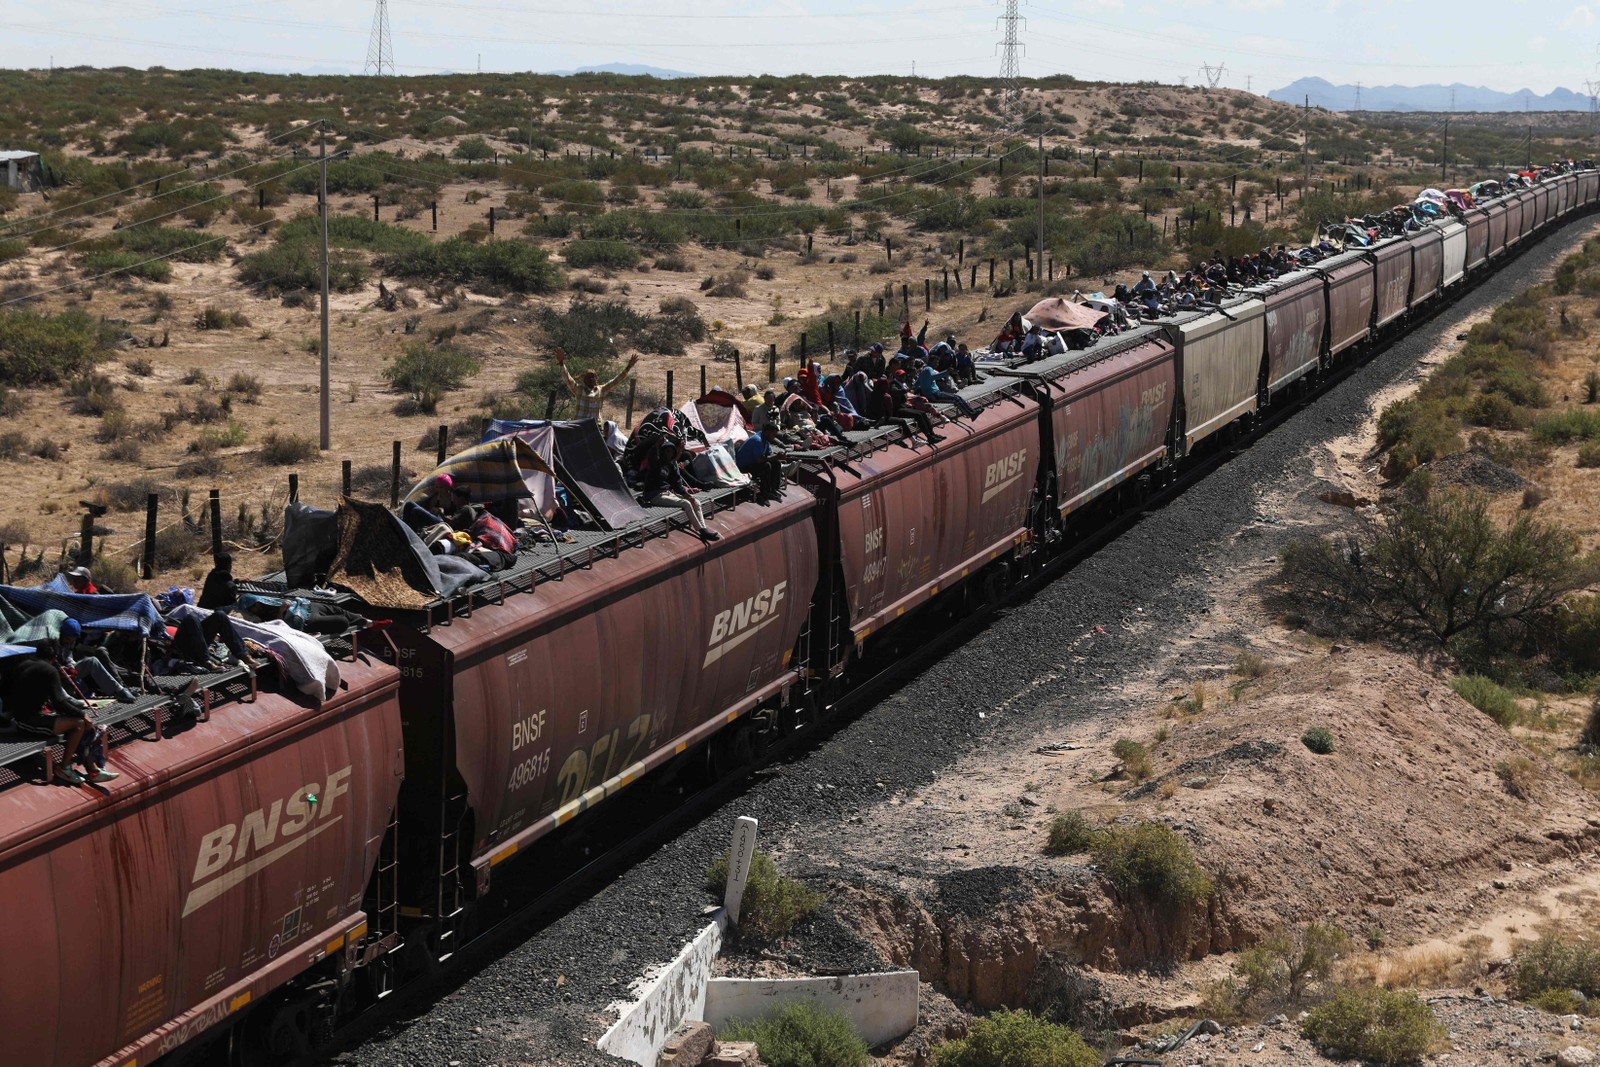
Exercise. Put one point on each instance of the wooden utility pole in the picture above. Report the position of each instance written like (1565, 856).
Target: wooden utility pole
(1040, 272)
(1305, 146)
(322, 198)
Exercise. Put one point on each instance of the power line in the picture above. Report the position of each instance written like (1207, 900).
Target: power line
(380, 47)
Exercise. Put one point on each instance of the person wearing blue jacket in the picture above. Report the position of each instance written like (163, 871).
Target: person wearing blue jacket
(931, 384)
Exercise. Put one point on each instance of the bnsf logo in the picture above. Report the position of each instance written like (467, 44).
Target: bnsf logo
(1002, 472)
(233, 852)
(739, 623)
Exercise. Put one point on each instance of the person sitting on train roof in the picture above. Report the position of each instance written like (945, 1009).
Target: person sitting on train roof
(663, 484)
(913, 346)
(757, 458)
(91, 666)
(1145, 284)
(590, 394)
(942, 356)
(966, 368)
(1033, 344)
(749, 400)
(891, 402)
(463, 512)
(935, 386)
(81, 581)
(219, 590)
(40, 706)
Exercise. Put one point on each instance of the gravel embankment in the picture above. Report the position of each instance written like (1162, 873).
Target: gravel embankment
(542, 1002)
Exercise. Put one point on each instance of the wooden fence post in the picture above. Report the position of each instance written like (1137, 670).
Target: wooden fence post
(991, 270)
(444, 443)
(344, 476)
(294, 487)
(151, 503)
(550, 406)
(772, 363)
(491, 222)
(702, 379)
(855, 338)
(830, 340)
(738, 372)
(214, 501)
(434, 207)
(669, 389)
(946, 283)
(927, 294)
(633, 386)
(374, 207)
(394, 477)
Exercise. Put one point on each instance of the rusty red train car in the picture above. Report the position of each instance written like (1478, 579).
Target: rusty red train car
(900, 523)
(1352, 292)
(1110, 416)
(522, 714)
(1297, 327)
(230, 861)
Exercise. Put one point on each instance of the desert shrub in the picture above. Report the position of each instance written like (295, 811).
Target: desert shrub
(47, 448)
(1416, 431)
(1016, 1039)
(1488, 697)
(727, 284)
(352, 231)
(196, 376)
(39, 349)
(113, 575)
(801, 1035)
(127, 265)
(183, 246)
(1380, 1026)
(202, 465)
(212, 317)
(283, 449)
(1318, 739)
(675, 263)
(1248, 664)
(245, 386)
(295, 265)
(13, 443)
(1532, 497)
(613, 255)
(123, 450)
(472, 148)
(210, 439)
(1134, 756)
(1151, 861)
(512, 265)
(93, 394)
(1555, 963)
(1589, 454)
(1518, 774)
(1440, 571)
(1282, 968)
(773, 903)
(141, 366)
(1591, 387)
(427, 372)
(131, 495)
(1563, 427)
(12, 403)
(1070, 833)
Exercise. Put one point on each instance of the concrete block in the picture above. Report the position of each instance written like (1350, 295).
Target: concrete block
(734, 1054)
(666, 998)
(881, 1007)
(689, 1044)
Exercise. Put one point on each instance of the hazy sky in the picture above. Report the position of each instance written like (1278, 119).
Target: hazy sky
(1507, 44)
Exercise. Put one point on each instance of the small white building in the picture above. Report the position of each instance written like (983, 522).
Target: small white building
(21, 170)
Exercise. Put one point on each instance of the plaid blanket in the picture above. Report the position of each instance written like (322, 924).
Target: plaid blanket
(492, 471)
(98, 611)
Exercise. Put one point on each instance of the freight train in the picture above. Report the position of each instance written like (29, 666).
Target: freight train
(249, 879)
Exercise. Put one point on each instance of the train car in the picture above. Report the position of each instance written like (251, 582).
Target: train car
(1220, 357)
(1528, 212)
(1588, 187)
(1477, 251)
(522, 713)
(1514, 220)
(1427, 265)
(900, 522)
(1455, 252)
(1392, 269)
(1498, 215)
(1108, 417)
(232, 861)
(1541, 204)
(1297, 328)
(1352, 294)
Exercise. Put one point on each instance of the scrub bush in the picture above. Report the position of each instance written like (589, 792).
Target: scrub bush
(1380, 1026)
(427, 372)
(772, 904)
(1318, 739)
(284, 449)
(802, 1035)
(1070, 833)
(1015, 1039)
(1555, 964)
(614, 255)
(1151, 861)
(1488, 697)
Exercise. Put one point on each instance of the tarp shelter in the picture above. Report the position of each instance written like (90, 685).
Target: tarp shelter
(494, 472)
(1059, 313)
(541, 437)
(384, 563)
(99, 611)
(590, 474)
(21, 170)
(718, 416)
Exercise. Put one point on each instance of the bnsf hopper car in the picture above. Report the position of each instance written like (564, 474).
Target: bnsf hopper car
(245, 873)
(230, 861)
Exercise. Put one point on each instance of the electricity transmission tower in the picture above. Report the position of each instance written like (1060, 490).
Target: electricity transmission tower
(1213, 75)
(380, 46)
(1011, 61)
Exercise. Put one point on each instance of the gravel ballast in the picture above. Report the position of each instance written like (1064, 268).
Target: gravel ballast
(1040, 663)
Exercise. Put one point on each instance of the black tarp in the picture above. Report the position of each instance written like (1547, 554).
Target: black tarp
(588, 471)
(310, 539)
(385, 563)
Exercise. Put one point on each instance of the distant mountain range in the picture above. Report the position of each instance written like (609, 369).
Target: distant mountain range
(1325, 94)
(627, 68)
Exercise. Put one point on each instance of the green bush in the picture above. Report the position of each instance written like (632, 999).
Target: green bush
(1318, 739)
(1589, 454)
(1574, 424)
(1555, 963)
(801, 1035)
(126, 264)
(427, 372)
(613, 255)
(353, 231)
(1070, 833)
(1488, 697)
(1134, 756)
(772, 903)
(296, 265)
(183, 246)
(508, 264)
(40, 349)
(1151, 861)
(283, 449)
(1284, 966)
(1015, 1039)
(1380, 1026)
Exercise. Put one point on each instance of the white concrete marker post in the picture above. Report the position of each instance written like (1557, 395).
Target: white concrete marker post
(740, 852)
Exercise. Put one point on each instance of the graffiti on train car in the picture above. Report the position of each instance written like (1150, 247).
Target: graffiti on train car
(234, 851)
(1104, 454)
(611, 754)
